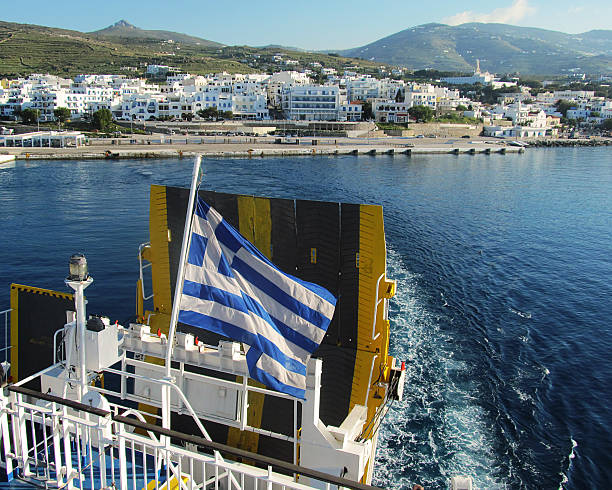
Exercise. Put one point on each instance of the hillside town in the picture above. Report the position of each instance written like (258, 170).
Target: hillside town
(314, 94)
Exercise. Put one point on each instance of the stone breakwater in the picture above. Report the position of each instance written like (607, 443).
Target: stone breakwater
(570, 142)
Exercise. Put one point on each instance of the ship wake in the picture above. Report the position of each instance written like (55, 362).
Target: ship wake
(438, 430)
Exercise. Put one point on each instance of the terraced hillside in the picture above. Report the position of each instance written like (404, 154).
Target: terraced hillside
(26, 49)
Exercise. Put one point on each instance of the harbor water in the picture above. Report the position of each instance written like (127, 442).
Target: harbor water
(504, 269)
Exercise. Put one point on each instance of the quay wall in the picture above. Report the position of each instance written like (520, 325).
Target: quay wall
(146, 153)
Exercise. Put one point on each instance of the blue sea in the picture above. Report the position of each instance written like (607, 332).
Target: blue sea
(504, 304)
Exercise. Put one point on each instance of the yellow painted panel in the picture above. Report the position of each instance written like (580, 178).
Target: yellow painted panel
(159, 255)
(256, 226)
(246, 217)
(174, 484)
(373, 329)
(263, 226)
(14, 334)
(139, 300)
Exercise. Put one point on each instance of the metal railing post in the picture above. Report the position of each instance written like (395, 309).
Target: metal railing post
(102, 458)
(22, 435)
(6, 439)
(67, 448)
(122, 460)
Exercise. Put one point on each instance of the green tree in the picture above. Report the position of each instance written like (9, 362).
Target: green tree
(187, 116)
(30, 116)
(531, 83)
(226, 114)
(366, 111)
(421, 113)
(563, 105)
(461, 108)
(607, 124)
(208, 113)
(62, 114)
(399, 97)
(102, 119)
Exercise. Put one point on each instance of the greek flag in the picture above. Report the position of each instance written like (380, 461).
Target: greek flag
(232, 289)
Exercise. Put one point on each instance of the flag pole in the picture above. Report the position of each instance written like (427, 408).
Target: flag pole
(176, 306)
(179, 288)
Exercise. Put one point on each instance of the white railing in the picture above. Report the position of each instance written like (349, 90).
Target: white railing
(141, 268)
(65, 444)
(5, 348)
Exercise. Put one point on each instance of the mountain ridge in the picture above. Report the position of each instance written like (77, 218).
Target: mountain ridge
(126, 49)
(124, 29)
(501, 48)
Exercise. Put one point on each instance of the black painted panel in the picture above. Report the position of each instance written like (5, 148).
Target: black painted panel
(40, 315)
(348, 297)
(284, 235)
(336, 382)
(318, 227)
(277, 416)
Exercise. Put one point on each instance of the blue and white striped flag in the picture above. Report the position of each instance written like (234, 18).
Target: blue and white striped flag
(232, 289)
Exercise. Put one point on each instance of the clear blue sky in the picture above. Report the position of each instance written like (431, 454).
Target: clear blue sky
(313, 24)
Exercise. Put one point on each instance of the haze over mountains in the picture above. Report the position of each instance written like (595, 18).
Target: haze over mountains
(501, 48)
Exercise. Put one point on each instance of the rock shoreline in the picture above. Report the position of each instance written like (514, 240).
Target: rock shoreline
(569, 143)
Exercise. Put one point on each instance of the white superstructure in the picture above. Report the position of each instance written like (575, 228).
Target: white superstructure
(77, 432)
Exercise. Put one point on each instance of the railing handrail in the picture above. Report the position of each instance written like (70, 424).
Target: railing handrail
(198, 441)
(22, 390)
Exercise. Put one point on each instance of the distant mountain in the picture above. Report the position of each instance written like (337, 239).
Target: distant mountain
(125, 49)
(28, 48)
(500, 48)
(124, 30)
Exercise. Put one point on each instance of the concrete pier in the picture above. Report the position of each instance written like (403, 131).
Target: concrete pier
(242, 151)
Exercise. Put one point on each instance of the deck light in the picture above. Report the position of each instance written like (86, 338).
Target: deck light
(78, 268)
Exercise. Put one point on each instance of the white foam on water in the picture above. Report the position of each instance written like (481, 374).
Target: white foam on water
(520, 313)
(438, 430)
(570, 457)
(572, 454)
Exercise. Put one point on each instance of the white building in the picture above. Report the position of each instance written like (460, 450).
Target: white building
(424, 95)
(311, 102)
(595, 110)
(363, 88)
(573, 94)
(517, 131)
(485, 78)
(350, 112)
(522, 114)
(160, 71)
(278, 81)
(387, 110)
